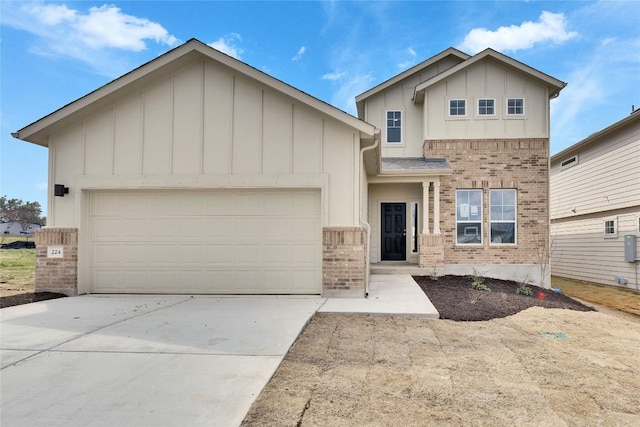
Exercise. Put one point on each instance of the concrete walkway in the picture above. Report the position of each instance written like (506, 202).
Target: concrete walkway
(388, 294)
(160, 360)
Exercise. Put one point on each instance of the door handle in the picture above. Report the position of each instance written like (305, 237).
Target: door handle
(404, 233)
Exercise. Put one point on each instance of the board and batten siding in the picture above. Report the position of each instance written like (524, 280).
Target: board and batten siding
(486, 79)
(400, 97)
(206, 123)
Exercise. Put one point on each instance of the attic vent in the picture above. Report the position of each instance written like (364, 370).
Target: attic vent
(571, 161)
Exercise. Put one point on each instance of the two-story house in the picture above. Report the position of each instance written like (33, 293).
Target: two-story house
(197, 173)
(459, 181)
(595, 205)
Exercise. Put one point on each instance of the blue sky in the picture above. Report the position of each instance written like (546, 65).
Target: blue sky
(54, 52)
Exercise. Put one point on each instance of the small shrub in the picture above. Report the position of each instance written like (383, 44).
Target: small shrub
(524, 288)
(477, 282)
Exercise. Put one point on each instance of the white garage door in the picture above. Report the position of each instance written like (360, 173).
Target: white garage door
(208, 242)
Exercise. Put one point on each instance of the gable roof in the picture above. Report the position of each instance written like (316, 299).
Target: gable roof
(552, 83)
(630, 119)
(413, 70)
(38, 131)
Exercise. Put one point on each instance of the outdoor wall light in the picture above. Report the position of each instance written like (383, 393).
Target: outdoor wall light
(60, 190)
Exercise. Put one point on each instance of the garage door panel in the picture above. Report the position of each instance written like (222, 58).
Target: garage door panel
(224, 241)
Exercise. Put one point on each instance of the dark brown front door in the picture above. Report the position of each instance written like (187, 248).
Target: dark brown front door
(394, 231)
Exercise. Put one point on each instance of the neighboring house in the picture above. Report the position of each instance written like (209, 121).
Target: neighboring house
(10, 228)
(196, 173)
(595, 203)
(31, 228)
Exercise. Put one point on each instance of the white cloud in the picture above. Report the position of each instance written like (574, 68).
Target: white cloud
(333, 76)
(406, 64)
(85, 36)
(227, 44)
(299, 54)
(550, 28)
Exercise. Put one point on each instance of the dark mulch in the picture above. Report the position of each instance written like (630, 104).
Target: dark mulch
(454, 298)
(27, 298)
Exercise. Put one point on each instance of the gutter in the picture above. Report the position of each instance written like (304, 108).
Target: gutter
(363, 222)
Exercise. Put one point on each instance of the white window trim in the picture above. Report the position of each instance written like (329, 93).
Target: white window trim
(386, 129)
(495, 108)
(480, 221)
(612, 235)
(466, 109)
(515, 221)
(524, 108)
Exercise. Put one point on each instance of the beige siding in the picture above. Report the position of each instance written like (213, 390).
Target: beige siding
(486, 79)
(400, 97)
(580, 250)
(606, 176)
(207, 123)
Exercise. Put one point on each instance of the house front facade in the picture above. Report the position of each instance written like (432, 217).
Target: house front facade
(196, 173)
(459, 182)
(595, 206)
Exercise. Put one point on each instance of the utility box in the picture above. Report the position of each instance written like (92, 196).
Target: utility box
(630, 248)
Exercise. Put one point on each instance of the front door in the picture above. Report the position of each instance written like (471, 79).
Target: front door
(394, 231)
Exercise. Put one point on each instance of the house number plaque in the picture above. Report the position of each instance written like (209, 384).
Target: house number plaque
(55, 252)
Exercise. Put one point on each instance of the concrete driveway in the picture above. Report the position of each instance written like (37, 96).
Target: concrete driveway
(142, 360)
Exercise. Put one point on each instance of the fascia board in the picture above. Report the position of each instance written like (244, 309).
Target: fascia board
(37, 132)
(416, 68)
(634, 117)
(552, 82)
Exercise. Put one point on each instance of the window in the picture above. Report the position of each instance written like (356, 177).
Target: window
(515, 106)
(414, 227)
(394, 127)
(610, 229)
(457, 107)
(469, 217)
(486, 107)
(503, 216)
(571, 161)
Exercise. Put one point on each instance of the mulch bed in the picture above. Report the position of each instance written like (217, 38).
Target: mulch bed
(27, 298)
(454, 298)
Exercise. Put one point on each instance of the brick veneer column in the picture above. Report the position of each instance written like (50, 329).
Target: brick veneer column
(431, 251)
(57, 274)
(344, 262)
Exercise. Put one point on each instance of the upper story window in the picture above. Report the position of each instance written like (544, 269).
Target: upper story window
(394, 127)
(486, 107)
(469, 217)
(515, 106)
(457, 107)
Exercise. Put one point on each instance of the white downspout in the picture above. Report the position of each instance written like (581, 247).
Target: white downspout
(363, 222)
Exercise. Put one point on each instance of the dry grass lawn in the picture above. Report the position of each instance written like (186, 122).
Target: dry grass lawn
(624, 300)
(540, 367)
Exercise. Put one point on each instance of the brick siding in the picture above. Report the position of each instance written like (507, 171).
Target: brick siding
(57, 274)
(344, 262)
(521, 164)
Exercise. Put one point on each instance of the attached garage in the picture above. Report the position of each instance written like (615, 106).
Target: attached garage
(206, 242)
